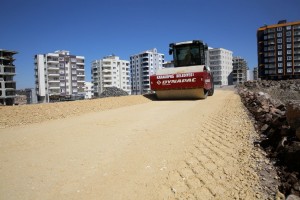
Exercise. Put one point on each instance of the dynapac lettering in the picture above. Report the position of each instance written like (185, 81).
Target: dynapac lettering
(186, 80)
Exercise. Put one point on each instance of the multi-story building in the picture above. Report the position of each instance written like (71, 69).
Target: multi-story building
(142, 65)
(279, 50)
(255, 73)
(59, 74)
(110, 72)
(240, 67)
(168, 64)
(7, 73)
(220, 62)
(88, 90)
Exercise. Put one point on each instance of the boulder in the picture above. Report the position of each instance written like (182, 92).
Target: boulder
(293, 197)
(293, 114)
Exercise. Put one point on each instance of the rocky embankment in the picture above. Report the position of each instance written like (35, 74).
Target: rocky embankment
(275, 106)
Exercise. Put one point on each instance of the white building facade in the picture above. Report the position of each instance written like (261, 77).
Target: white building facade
(143, 65)
(110, 72)
(220, 62)
(59, 74)
(88, 90)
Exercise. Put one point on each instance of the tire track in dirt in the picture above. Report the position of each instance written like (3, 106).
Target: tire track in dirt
(217, 165)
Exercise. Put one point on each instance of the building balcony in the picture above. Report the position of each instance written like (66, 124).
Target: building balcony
(53, 87)
(80, 74)
(52, 74)
(107, 85)
(107, 75)
(54, 92)
(107, 80)
(80, 69)
(53, 81)
(53, 67)
(106, 69)
(146, 68)
(52, 61)
(80, 81)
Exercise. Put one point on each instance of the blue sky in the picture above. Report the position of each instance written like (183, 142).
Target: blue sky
(96, 28)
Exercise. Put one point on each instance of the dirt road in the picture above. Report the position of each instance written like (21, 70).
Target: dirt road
(154, 150)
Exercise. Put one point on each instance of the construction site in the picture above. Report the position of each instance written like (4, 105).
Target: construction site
(135, 147)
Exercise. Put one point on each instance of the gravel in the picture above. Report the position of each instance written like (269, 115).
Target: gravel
(113, 92)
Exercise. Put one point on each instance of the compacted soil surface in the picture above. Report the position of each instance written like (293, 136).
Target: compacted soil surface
(131, 148)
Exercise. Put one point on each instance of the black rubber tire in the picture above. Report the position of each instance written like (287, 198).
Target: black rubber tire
(205, 93)
(212, 89)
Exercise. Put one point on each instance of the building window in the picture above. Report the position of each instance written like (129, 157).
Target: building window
(279, 34)
(279, 28)
(279, 46)
(279, 58)
(280, 71)
(279, 53)
(288, 33)
(289, 57)
(289, 64)
(279, 40)
(288, 39)
(289, 46)
(289, 70)
(289, 52)
(279, 65)
(288, 28)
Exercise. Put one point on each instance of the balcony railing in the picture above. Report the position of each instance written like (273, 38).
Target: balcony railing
(54, 80)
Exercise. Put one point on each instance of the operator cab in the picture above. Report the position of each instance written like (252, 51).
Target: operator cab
(189, 53)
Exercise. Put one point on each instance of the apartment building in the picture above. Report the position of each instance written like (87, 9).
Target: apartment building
(279, 50)
(220, 62)
(110, 72)
(59, 74)
(240, 67)
(255, 73)
(168, 64)
(88, 90)
(142, 65)
(7, 73)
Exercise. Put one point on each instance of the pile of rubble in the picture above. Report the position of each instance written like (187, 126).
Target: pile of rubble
(113, 92)
(277, 115)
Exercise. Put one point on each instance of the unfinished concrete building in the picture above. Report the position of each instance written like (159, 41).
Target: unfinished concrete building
(240, 67)
(7, 73)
